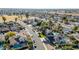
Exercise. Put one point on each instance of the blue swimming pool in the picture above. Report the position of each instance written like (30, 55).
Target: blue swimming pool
(1, 47)
(16, 46)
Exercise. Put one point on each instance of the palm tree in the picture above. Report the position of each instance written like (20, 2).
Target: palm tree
(7, 43)
(4, 19)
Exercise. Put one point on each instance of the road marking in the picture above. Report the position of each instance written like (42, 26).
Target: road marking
(45, 46)
(43, 43)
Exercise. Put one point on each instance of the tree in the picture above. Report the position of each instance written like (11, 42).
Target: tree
(10, 34)
(60, 28)
(27, 15)
(76, 42)
(6, 43)
(30, 43)
(14, 13)
(67, 47)
(15, 19)
(74, 20)
(44, 25)
(51, 24)
(65, 20)
(75, 28)
(4, 19)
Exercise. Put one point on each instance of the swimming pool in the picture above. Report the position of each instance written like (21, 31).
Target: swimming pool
(1, 46)
(16, 46)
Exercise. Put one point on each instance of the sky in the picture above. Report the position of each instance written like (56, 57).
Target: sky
(39, 4)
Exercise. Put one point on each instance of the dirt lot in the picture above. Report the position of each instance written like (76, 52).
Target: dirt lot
(11, 18)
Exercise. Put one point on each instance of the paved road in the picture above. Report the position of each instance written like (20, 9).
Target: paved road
(38, 42)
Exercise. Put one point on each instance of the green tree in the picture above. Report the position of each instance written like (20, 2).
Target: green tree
(60, 28)
(10, 34)
(6, 43)
(44, 25)
(75, 28)
(67, 47)
(51, 24)
(65, 20)
(30, 44)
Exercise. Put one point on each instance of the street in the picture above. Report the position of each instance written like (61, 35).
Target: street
(39, 44)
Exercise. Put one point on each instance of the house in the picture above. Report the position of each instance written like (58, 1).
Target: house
(66, 30)
(47, 31)
(13, 28)
(18, 42)
(49, 35)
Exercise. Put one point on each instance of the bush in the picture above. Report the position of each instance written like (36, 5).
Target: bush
(10, 34)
